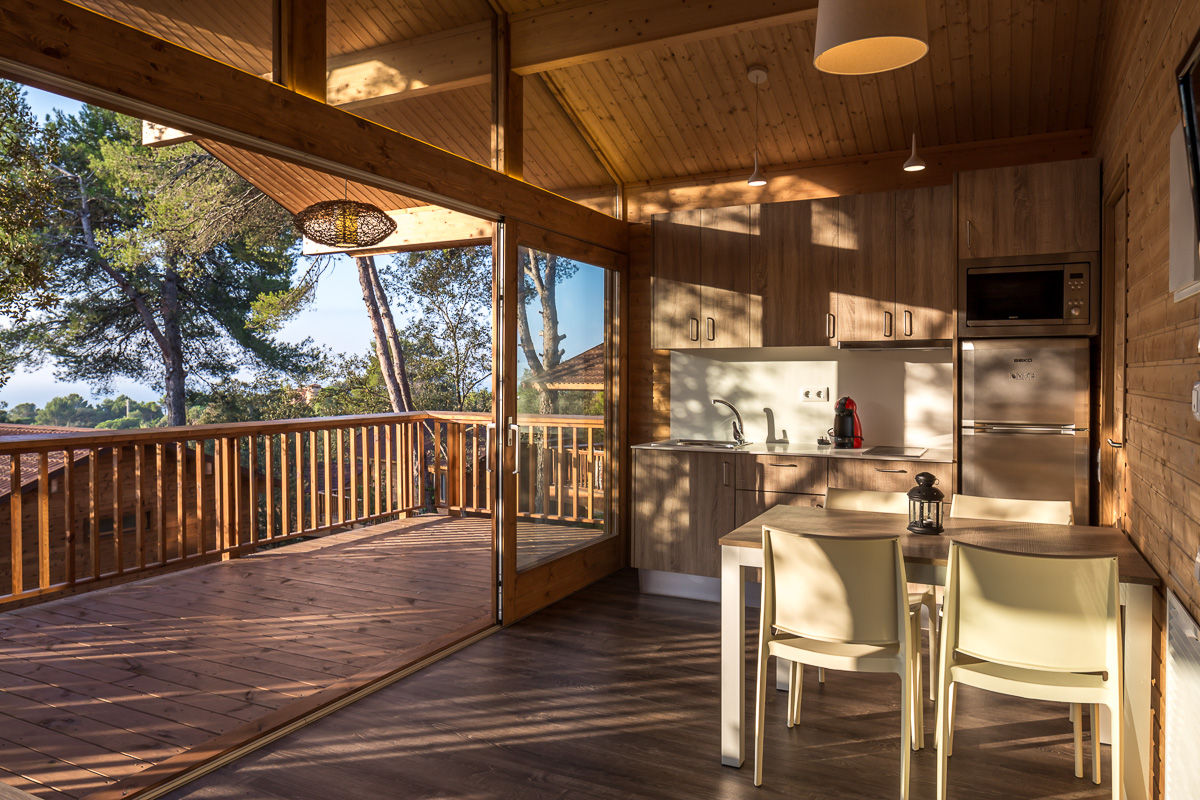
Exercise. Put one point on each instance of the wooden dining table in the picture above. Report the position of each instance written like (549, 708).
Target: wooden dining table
(925, 562)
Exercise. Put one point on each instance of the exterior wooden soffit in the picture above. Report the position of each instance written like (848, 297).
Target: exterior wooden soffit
(544, 39)
(58, 46)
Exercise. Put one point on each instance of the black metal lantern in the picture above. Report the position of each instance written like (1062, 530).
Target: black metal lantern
(925, 505)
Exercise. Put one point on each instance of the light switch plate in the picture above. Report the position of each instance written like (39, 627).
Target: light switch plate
(1196, 399)
(816, 394)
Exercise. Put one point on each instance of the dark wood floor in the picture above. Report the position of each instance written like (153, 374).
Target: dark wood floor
(611, 694)
(97, 687)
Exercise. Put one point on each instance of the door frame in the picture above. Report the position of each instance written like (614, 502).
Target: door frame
(1112, 470)
(522, 593)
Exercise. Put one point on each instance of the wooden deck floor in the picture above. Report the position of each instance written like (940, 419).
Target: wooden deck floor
(612, 695)
(97, 687)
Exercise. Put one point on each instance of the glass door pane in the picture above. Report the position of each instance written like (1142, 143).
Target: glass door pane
(563, 365)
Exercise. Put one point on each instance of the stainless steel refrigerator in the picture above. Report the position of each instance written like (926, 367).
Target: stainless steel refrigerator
(1025, 420)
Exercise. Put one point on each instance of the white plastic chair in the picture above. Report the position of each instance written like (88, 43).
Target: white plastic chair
(836, 603)
(1051, 512)
(1040, 627)
(894, 503)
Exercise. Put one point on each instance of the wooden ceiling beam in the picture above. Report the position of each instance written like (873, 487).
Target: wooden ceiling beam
(846, 176)
(61, 47)
(545, 39)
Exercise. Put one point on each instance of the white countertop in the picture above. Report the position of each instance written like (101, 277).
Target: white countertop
(933, 455)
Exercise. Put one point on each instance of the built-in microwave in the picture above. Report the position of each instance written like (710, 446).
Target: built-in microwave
(1055, 295)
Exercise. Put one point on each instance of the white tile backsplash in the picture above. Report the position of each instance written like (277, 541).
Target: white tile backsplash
(904, 397)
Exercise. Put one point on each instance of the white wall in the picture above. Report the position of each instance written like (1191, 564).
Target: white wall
(904, 397)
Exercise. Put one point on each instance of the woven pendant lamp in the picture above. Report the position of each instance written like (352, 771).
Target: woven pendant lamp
(344, 223)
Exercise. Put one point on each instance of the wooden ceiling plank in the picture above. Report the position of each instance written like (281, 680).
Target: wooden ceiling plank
(802, 35)
(727, 64)
(899, 106)
(667, 68)
(1021, 59)
(62, 47)
(783, 133)
(1042, 58)
(789, 57)
(960, 64)
(852, 98)
(716, 102)
(978, 17)
(577, 87)
(1084, 71)
(1065, 21)
(1000, 74)
(941, 72)
(581, 128)
(600, 87)
(876, 115)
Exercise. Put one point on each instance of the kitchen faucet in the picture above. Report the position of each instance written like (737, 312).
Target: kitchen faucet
(739, 430)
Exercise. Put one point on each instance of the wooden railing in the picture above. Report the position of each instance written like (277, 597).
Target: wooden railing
(91, 508)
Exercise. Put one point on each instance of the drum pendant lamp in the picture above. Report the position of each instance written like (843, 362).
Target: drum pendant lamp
(862, 37)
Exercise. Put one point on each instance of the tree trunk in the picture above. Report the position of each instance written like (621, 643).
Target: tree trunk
(382, 351)
(175, 378)
(395, 348)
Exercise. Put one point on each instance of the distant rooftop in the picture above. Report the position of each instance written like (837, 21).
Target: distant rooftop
(584, 372)
(29, 466)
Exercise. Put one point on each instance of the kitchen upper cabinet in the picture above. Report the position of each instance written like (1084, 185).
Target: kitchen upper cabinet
(795, 272)
(866, 272)
(1029, 210)
(925, 266)
(702, 279)
(683, 503)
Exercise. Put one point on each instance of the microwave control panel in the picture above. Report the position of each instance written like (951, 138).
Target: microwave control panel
(1077, 293)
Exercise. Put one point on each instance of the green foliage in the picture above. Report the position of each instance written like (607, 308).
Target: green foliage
(448, 343)
(21, 414)
(158, 264)
(72, 411)
(26, 154)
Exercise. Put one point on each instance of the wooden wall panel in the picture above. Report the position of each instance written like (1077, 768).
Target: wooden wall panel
(1136, 111)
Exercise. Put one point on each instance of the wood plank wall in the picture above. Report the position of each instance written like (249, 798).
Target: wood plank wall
(1137, 110)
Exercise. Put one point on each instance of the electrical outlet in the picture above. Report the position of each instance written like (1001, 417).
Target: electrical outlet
(1196, 399)
(815, 394)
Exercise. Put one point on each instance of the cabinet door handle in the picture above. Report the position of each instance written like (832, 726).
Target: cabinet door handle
(789, 466)
(899, 471)
(887, 324)
(830, 326)
(725, 473)
(712, 329)
(908, 320)
(694, 329)
(1117, 445)
(970, 245)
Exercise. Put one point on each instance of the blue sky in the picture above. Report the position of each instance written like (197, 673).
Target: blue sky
(336, 319)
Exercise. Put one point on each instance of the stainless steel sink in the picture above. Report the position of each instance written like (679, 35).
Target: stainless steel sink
(723, 444)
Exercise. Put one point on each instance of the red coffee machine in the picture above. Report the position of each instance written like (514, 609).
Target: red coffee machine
(847, 430)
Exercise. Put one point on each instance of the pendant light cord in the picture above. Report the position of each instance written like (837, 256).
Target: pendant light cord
(756, 89)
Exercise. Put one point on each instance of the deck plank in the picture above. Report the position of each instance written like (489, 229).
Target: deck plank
(97, 687)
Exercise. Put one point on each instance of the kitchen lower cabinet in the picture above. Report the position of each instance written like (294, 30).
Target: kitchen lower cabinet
(749, 503)
(683, 503)
(887, 476)
(782, 473)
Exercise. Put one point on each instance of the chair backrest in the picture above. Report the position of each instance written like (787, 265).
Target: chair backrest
(836, 589)
(1054, 512)
(866, 500)
(1042, 612)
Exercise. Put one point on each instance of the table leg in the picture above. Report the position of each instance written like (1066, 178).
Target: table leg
(733, 657)
(1139, 632)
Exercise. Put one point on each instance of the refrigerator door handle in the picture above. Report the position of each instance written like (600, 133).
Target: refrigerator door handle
(988, 427)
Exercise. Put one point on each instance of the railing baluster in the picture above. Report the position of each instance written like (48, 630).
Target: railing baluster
(573, 472)
(269, 470)
(341, 479)
(325, 453)
(69, 513)
(284, 481)
(94, 509)
(17, 541)
(591, 474)
(118, 548)
(388, 499)
(43, 530)
(139, 504)
(201, 508)
(313, 523)
(252, 443)
(180, 499)
(299, 459)
(376, 456)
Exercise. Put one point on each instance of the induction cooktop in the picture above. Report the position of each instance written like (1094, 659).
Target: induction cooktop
(892, 450)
